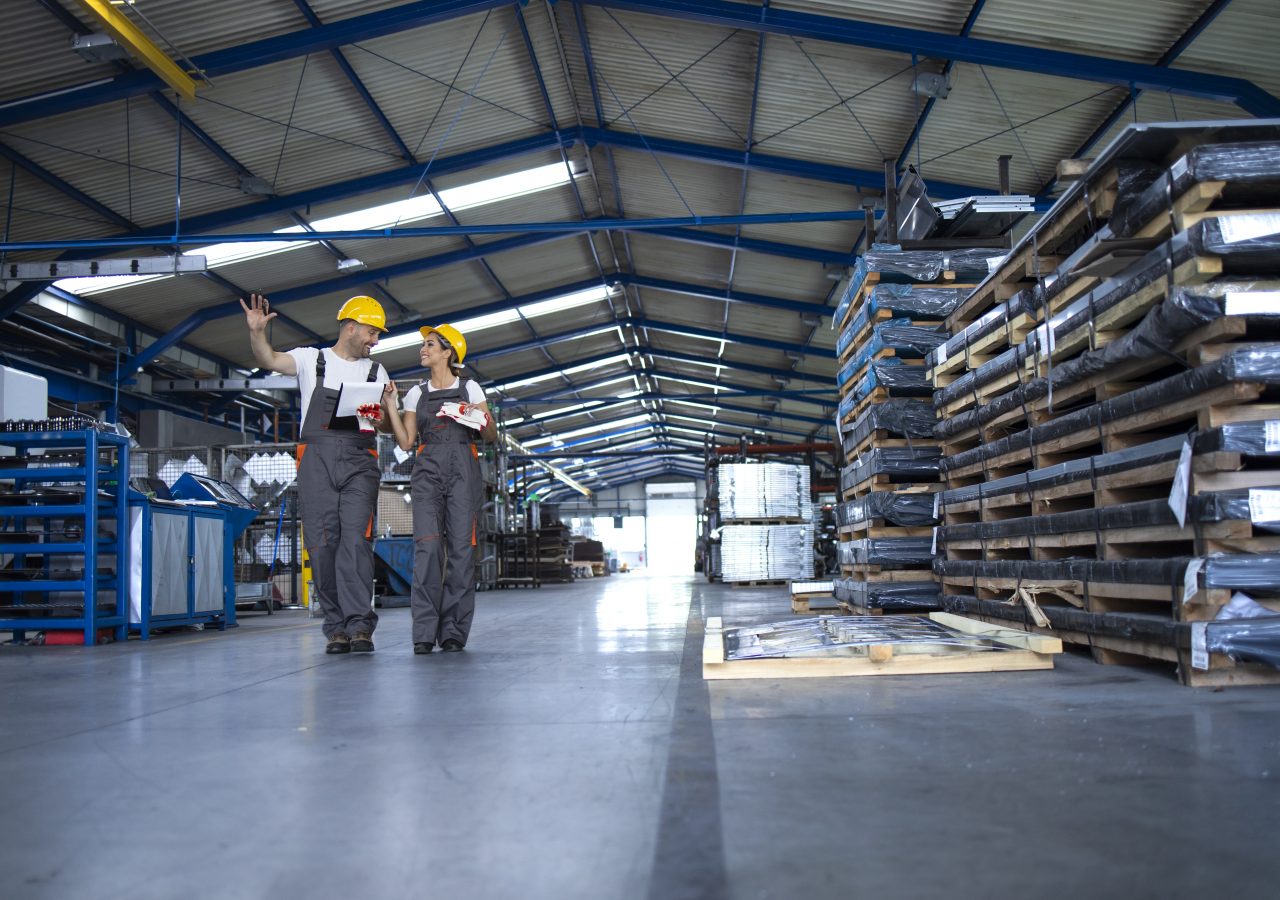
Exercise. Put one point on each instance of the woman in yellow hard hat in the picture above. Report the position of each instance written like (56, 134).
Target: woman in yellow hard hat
(445, 415)
(337, 464)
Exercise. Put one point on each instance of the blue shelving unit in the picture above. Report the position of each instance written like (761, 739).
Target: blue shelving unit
(53, 516)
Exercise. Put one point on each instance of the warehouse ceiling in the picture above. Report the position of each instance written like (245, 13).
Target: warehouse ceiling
(638, 210)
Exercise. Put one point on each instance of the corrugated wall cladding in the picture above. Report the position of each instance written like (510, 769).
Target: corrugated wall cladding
(30, 34)
(931, 15)
(662, 186)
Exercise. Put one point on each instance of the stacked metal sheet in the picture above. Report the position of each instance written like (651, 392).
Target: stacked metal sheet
(766, 552)
(764, 491)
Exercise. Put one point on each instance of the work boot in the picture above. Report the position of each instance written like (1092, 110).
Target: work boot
(338, 643)
(451, 645)
(362, 642)
(423, 647)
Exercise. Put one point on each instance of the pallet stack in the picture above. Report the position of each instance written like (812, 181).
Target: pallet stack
(890, 317)
(767, 515)
(1108, 418)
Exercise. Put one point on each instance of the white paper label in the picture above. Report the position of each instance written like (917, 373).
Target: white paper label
(937, 504)
(934, 551)
(1264, 505)
(1273, 435)
(1252, 303)
(1181, 485)
(1191, 578)
(1199, 646)
(1247, 227)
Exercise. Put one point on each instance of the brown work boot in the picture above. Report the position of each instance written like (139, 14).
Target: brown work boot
(338, 643)
(362, 642)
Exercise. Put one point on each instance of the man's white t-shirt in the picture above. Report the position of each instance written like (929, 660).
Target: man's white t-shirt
(475, 393)
(336, 371)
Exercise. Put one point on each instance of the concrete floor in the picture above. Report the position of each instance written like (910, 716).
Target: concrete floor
(574, 751)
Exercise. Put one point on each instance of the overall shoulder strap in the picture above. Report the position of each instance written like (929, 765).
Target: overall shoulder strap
(373, 370)
(320, 367)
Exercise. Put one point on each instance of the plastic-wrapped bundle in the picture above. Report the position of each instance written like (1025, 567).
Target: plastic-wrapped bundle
(898, 509)
(1147, 628)
(1155, 336)
(1257, 573)
(1246, 639)
(910, 301)
(897, 379)
(898, 596)
(1248, 438)
(1259, 506)
(1250, 169)
(766, 552)
(906, 340)
(899, 416)
(1111, 571)
(764, 491)
(898, 464)
(1248, 364)
(995, 319)
(892, 553)
(892, 262)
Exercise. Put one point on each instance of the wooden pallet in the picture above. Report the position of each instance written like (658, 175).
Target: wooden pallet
(844, 389)
(884, 482)
(1024, 652)
(759, 582)
(1143, 542)
(804, 604)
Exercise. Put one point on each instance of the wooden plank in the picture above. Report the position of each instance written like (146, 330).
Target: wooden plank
(1020, 639)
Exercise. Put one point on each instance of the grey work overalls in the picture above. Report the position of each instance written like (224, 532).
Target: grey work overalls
(447, 493)
(337, 491)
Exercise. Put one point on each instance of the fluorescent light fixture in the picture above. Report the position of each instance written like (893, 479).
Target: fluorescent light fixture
(588, 429)
(705, 385)
(386, 215)
(714, 409)
(572, 370)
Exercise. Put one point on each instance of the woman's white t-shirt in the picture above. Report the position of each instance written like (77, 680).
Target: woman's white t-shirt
(336, 371)
(475, 393)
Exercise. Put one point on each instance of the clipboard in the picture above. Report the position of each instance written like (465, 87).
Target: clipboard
(352, 394)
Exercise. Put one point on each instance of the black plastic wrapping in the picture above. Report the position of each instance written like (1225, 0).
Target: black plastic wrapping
(890, 553)
(1218, 506)
(1248, 438)
(899, 464)
(906, 340)
(897, 379)
(898, 596)
(1146, 628)
(899, 416)
(928, 265)
(1251, 170)
(910, 301)
(1255, 573)
(1258, 365)
(1246, 640)
(895, 508)
(1155, 336)
(1112, 571)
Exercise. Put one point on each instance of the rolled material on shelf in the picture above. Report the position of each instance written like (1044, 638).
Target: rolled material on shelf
(897, 596)
(766, 552)
(764, 491)
(1259, 365)
(907, 510)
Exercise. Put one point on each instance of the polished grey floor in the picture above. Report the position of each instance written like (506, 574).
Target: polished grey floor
(574, 751)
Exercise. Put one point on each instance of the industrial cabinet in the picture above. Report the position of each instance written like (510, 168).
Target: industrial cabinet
(63, 550)
(182, 574)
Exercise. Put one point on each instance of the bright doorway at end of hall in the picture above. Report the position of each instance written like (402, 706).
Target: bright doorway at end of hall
(671, 527)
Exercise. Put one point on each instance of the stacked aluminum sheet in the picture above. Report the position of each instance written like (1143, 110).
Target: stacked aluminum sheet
(766, 552)
(764, 491)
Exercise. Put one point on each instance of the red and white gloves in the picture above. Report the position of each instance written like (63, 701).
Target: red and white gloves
(369, 415)
(467, 414)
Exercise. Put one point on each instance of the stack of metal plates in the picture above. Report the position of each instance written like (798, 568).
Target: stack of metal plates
(766, 552)
(764, 491)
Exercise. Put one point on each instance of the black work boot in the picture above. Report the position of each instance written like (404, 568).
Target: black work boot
(423, 647)
(362, 642)
(338, 643)
(451, 645)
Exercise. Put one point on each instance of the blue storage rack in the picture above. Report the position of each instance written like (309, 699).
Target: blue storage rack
(99, 481)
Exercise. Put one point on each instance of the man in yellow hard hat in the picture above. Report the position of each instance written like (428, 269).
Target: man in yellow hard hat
(444, 415)
(337, 464)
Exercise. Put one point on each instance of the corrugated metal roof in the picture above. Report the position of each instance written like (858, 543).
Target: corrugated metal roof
(468, 83)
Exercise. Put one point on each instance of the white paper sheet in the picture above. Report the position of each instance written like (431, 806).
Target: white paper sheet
(355, 393)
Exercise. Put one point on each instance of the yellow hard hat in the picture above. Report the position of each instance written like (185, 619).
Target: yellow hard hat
(364, 310)
(452, 335)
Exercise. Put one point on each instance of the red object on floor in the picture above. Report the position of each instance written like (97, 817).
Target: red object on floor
(74, 638)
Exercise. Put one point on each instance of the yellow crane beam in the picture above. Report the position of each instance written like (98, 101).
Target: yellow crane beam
(138, 44)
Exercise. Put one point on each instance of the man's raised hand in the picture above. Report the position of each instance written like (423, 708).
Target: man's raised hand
(257, 312)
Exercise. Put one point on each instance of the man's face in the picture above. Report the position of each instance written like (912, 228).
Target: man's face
(362, 339)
